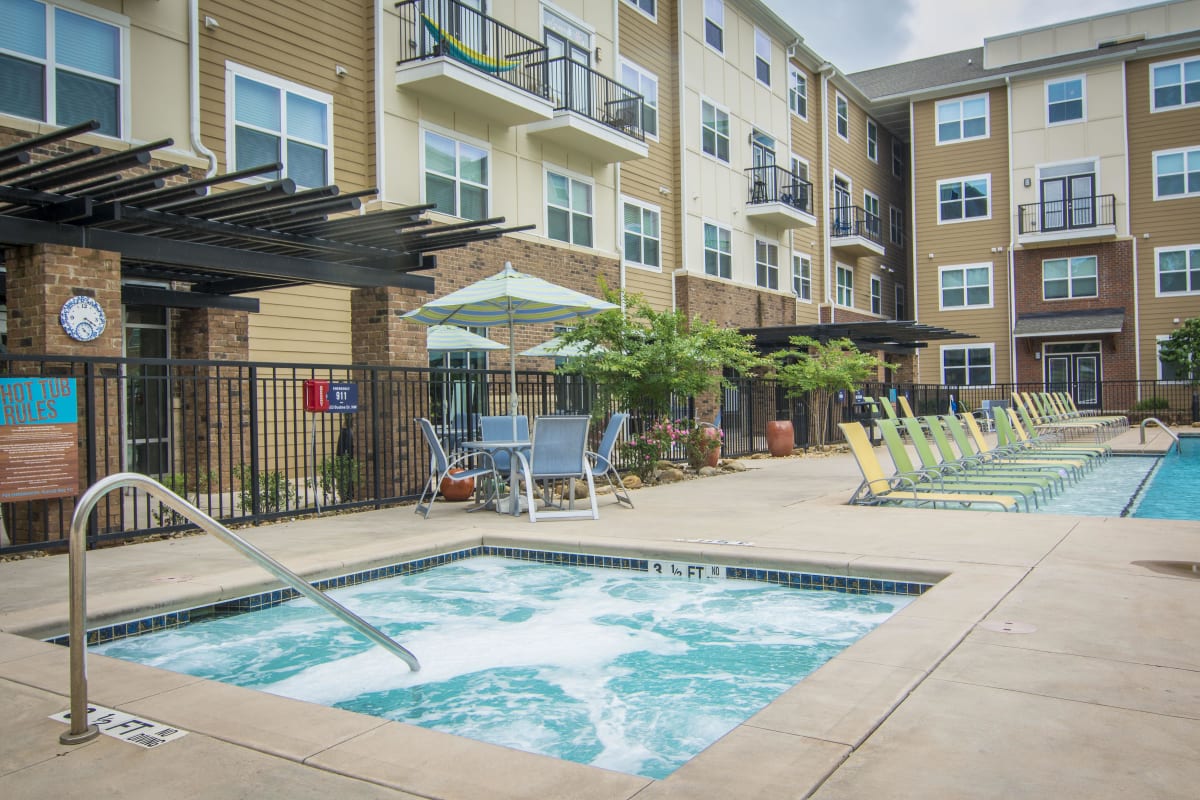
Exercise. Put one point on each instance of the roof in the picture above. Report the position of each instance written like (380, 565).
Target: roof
(881, 335)
(1059, 323)
(261, 234)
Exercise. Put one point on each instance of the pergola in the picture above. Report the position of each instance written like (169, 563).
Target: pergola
(892, 336)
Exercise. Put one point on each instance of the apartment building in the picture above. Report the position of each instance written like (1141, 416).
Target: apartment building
(1053, 215)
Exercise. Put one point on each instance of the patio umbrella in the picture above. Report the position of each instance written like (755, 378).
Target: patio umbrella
(506, 298)
(554, 348)
(448, 338)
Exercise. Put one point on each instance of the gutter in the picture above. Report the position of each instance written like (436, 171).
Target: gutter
(194, 88)
(1009, 255)
(825, 71)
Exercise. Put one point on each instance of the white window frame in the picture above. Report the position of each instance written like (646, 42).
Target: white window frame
(793, 160)
(843, 292)
(872, 141)
(960, 102)
(717, 9)
(1082, 99)
(645, 75)
(967, 304)
(897, 158)
(644, 207)
(1191, 264)
(1189, 154)
(963, 181)
(802, 277)
(650, 15)
(840, 105)
(795, 72)
(1182, 64)
(769, 271)
(896, 225)
(458, 139)
(901, 302)
(50, 63)
(990, 347)
(760, 36)
(1070, 279)
(233, 71)
(704, 249)
(871, 201)
(572, 178)
(717, 109)
(1158, 341)
(877, 295)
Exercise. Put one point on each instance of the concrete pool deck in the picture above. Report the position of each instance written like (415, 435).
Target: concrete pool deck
(1046, 662)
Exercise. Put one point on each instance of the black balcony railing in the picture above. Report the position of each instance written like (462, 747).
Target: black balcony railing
(434, 28)
(845, 221)
(774, 184)
(572, 86)
(1077, 213)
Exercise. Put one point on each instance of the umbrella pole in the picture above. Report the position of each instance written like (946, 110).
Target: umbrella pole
(512, 372)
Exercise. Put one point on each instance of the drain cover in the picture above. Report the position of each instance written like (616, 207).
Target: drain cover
(1002, 626)
(1179, 569)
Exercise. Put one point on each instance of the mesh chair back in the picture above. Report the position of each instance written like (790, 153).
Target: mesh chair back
(500, 429)
(436, 453)
(559, 447)
(604, 454)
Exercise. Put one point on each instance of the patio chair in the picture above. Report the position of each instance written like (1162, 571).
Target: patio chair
(1017, 455)
(878, 489)
(440, 464)
(500, 429)
(559, 454)
(601, 459)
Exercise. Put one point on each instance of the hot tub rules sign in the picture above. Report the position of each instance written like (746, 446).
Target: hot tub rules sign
(38, 450)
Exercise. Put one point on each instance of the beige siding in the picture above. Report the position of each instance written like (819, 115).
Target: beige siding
(1158, 223)
(960, 243)
(304, 323)
(806, 143)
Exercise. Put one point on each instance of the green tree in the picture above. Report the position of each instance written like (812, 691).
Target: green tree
(813, 366)
(642, 357)
(1182, 351)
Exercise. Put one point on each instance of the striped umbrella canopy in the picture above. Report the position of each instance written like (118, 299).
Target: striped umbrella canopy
(554, 348)
(449, 338)
(506, 298)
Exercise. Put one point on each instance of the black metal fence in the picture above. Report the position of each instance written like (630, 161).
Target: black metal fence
(774, 184)
(573, 86)
(1076, 213)
(847, 221)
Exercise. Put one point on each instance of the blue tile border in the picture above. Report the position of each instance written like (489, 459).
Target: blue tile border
(796, 580)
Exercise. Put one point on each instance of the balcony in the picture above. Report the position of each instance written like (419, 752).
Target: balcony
(855, 232)
(593, 114)
(1054, 221)
(779, 198)
(455, 54)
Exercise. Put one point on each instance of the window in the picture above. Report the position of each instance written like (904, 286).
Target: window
(967, 286)
(845, 286)
(714, 131)
(1178, 269)
(1167, 372)
(714, 24)
(897, 158)
(718, 252)
(645, 6)
(843, 116)
(1175, 84)
(762, 57)
(797, 92)
(456, 176)
(1064, 101)
(962, 119)
(967, 366)
(901, 308)
(766, 264)
(964, 198)
(876, 295)
(802, 277)
(1177, 173)
(645, 84)
(642, 238)
(896, 229)
(872, 141)
(1069, 277)
(568, 209)
(275, 120)
(62, 67)
(799, 167)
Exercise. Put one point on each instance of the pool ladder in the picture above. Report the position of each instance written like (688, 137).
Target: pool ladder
(1159, 423)
(80, 731)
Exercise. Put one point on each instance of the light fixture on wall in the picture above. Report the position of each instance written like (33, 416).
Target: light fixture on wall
(211, 23)
(1037, 355)
(1027, 183)
(340, 71)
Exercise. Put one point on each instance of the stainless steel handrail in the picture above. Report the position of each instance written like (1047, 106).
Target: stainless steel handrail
(1161, 424)
(80, 731)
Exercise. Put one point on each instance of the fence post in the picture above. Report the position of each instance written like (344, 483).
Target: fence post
(254, 454)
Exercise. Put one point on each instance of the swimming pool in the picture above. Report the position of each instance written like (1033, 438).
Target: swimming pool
(626, 668)
(1173, 491)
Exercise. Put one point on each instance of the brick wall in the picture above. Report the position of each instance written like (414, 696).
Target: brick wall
(216, 400)
(732, 306)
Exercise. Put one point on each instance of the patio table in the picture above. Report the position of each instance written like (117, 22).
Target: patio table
(511, 505)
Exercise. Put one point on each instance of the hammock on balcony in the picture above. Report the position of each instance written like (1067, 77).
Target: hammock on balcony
(466, 54)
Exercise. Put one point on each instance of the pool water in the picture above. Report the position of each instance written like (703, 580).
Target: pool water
(1105, 491)
(1174, 490)
(614, 668)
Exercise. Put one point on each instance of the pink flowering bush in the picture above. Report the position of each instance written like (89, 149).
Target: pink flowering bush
(657, 442)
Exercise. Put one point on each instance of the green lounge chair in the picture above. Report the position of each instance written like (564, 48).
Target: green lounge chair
(993, 460)
(1024, 429)
(928, 459)
(1009, 435)
(973, 463)
(1015, 454)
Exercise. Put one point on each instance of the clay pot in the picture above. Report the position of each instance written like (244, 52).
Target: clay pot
(781, 439)
(715, 456)
(457, 491)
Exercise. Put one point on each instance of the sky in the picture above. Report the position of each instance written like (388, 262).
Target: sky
(861, 34)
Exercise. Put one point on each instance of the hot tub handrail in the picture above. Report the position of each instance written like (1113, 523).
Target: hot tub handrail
(80, 731)
(1161, 424)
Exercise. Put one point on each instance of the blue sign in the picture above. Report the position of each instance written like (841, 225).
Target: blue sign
(38, 401)
(343, 398)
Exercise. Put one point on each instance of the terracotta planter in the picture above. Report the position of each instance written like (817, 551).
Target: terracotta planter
(457, 491)
(781, 439)
(715, 456)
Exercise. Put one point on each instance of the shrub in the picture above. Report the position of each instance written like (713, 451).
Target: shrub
(186, 487)
(1152, 404)
(275, 493)
(657, 442)
(337, 478)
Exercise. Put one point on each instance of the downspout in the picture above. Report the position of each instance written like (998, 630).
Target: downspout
(680, 115)
(194, 87)
(827, 250)
(380, 139)
(1009, 256)
(1137, 306)
(912, 210)
(618, 211)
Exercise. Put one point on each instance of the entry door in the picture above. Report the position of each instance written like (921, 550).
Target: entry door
(843, 212)
(1076, 373)
(1069, 201)
(569, 84)
(147, 392)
